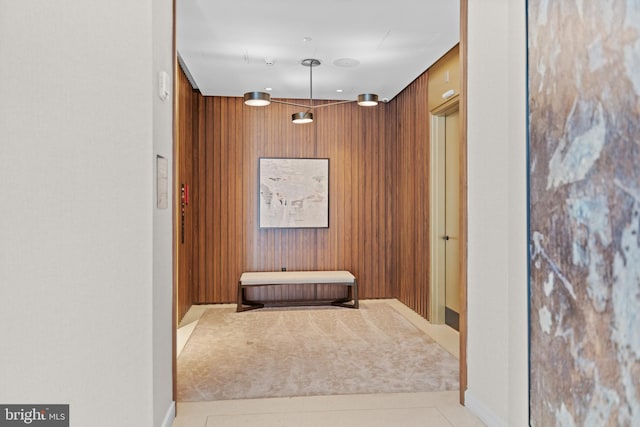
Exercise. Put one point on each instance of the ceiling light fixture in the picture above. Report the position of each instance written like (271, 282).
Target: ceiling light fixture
(302, 117)
(257, 99)
(261, 99)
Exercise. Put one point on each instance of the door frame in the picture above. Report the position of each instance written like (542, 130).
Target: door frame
(437, 287)
(437, 217)
(464, 17)
(463, 205)
(437, 211)
(437, 127)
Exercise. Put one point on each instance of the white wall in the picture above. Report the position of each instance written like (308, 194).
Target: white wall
(497, 275)
(163, 60)
(77, 254)
(518, 332)
(84, 285)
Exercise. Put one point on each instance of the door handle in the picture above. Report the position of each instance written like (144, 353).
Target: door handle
(445, 237)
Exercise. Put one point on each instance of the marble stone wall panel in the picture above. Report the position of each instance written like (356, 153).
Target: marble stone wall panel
(584, 151)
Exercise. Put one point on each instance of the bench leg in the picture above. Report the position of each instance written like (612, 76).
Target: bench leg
(353, 295)
(239, 306)
(241, 302)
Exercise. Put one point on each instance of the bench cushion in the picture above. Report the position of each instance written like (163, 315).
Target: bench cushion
(295, 277)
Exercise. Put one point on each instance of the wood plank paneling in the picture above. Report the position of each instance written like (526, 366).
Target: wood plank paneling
(229, 138)
(378, 222)
(196, 176)
(187, 254)
(411, 222)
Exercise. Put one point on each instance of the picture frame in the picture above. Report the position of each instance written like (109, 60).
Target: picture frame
(293, 192)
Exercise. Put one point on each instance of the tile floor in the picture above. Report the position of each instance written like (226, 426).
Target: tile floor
(437, 409)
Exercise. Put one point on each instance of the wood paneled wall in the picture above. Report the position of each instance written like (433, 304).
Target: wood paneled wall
(378, 223)
(411, 223)
(187, 106)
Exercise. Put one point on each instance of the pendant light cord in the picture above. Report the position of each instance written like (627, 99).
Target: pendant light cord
(310, 86)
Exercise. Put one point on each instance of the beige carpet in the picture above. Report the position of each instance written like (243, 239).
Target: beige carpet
(306, 352)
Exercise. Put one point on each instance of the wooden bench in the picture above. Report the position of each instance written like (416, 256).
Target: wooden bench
(271, 278)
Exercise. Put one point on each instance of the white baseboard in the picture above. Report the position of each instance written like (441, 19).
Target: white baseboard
(480, 410)
(171, 415)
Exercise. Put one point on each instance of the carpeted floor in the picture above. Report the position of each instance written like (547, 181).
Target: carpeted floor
(310, 351)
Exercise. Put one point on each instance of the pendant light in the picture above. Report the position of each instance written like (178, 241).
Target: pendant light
(261, 99)
(307, 116)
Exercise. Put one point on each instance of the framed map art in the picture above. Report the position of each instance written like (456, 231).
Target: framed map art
(293, 193)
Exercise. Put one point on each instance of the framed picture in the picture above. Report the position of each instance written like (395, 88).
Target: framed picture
(293, 193)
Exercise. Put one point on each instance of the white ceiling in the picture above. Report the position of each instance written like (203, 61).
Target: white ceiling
(224, 44)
